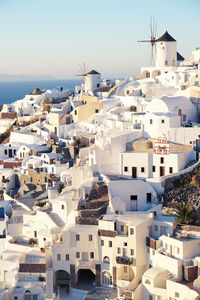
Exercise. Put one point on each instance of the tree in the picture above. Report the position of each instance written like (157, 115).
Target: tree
(60, 187)
(184, 213)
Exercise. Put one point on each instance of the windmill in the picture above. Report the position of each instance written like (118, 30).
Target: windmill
(82, 71)
(152, 40)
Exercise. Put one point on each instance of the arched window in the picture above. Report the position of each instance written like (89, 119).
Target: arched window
(147, 281)
(106, 259)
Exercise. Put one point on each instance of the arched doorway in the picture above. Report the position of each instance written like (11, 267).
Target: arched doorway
(106, 279)
(62, 278)
(85, 279)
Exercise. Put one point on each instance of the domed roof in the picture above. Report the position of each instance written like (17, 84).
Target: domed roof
(166, 37)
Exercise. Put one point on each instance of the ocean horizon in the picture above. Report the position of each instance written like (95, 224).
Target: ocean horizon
(11, 91)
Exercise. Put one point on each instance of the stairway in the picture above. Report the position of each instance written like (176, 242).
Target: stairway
(55, 218)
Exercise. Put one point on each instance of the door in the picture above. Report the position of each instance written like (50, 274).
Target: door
(162, 171)
(134, 172)
(10, 152)
(133, 205)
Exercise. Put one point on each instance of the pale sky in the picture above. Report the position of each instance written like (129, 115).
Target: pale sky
(52, 37)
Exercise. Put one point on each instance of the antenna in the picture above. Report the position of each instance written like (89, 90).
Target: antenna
(82, 71)
(152, 40)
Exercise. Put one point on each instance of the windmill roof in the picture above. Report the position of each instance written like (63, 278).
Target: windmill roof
(180, 57)
(166, 37)
(92, 72)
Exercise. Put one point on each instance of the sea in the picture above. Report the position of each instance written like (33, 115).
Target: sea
(12, 91)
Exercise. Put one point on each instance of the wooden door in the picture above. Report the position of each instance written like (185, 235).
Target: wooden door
(134, 172)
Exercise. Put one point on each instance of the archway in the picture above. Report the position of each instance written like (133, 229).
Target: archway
(62, 278)
(106, 279)
(85, 279)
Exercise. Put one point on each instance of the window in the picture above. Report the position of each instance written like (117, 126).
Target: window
(125, 244)
(15, 297)
(110, 243)
(153, 168)
(133, 197)
(59, 256)
(142, 169)
(176, 294)
(90, 237)
(67, 257)
(102, 242)
(162, 121)
(44, 239)
(151, 121)
(156, 227)
(150, 297)
(62, 206)
(166, 246)
(91, 254)
(45, 179)
(122, 228)
(162, 160)
(148, 197)
(178, 250)
(125, 169)
(6, 151)
(170, 170)
(125, 269)
(77, 254)
(118, 250)
(166, 63)
(96, 111)
(132, 251)
(147, 249)
(31, 179)
(190, 142)
(132, 231)
(14, 152)
(75, 112)
(77, 237)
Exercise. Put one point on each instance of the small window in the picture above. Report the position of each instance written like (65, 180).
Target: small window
(45, 179)
(14, 152)
(44, 239)
(190, 142)
(125, 169)
(125, 269)
(162, 160)
(6, 151)
(118, 250)
(77, 237)
(102, 242)
(75, 112)
(162, 121)
(151, 121)
(110, 243)
(67, 257)
(77, 254)
(176, 294)
(148, 197)
(132, 231)
(133, 197)
(125, 244)
(132, 251)
(122, 228)
(62, 206)
(59, 256)
(153, 168)
(96, 111)
(178, 250)
(142, 169)
(170, 170)
(90, 237)
(91, 254)
(31, 179)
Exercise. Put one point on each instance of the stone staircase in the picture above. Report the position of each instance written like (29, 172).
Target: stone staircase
(56, 219)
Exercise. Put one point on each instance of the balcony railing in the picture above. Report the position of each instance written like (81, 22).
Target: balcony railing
(124, 260)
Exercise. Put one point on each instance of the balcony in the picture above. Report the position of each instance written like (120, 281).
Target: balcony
(124, 260)
(150, 242)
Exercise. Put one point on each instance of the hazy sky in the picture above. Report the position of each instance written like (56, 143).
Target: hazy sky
(52, 37)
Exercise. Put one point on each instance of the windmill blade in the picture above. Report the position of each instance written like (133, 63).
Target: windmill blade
(144, 41)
